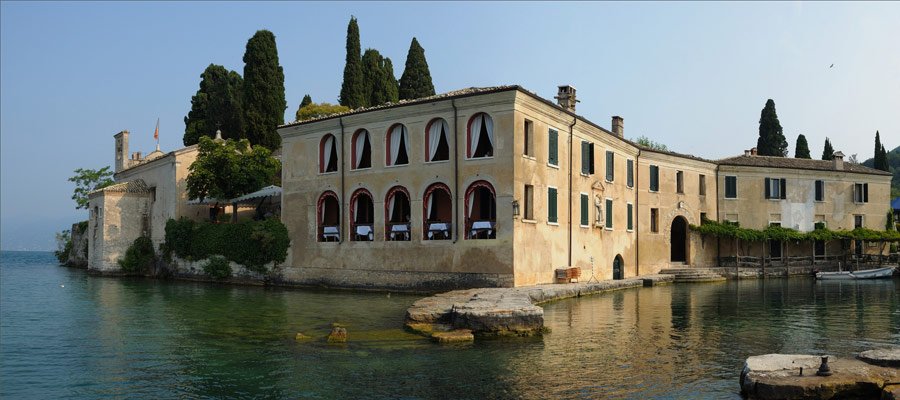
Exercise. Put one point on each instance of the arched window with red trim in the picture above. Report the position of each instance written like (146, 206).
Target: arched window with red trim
(481, 211)
(396, 146)
(361, 150)
(362, 216)
(437, 212)
(328, 157)
(328, 218)
(480, 136)
(397, 214)
(437, 145)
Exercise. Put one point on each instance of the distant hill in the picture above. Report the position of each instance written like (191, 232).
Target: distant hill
(893, 157)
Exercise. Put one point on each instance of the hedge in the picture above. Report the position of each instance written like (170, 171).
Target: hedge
(252, 243)
(734, 231)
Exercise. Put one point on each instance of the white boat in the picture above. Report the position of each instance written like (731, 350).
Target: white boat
(877, 273)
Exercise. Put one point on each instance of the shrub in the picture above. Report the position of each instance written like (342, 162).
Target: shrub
(217, 267)
(253, 244)
(63, 246)
(139, 256)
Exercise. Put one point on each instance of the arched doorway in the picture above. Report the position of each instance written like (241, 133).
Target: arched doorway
(618, 267)
(678, 242)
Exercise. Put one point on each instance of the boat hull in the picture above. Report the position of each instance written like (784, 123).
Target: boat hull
(878, 273)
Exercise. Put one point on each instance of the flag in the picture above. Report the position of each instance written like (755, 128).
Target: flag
(156, 133)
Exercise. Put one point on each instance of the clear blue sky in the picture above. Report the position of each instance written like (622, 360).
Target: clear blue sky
(691, 75)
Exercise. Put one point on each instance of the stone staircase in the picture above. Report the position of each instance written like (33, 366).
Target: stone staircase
(684, 273)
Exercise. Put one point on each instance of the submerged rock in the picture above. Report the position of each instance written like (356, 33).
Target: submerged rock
(338, 335)
(455, 336)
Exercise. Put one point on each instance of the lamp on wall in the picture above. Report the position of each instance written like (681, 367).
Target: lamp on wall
(515, 206)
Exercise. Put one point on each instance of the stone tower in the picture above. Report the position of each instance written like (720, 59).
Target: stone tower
(121, 150)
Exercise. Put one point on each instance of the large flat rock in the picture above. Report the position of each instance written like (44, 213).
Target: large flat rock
(883, 357)
(777, 376)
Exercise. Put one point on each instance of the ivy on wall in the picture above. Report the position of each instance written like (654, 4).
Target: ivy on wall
(254, 244)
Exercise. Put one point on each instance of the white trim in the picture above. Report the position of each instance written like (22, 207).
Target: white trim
(554, 166)
(328, 173)
(529, 221)
(429, 162)
(527, 157)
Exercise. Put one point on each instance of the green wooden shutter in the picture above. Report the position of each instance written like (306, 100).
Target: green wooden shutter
(553, 150)
(609, 213)
(630, 218)
(630, 173)
(584, 210)
(654, 178)
(610, 166)
(585, 167)
(768, 188)
(551, 205)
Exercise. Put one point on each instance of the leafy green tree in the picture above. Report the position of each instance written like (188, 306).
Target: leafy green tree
(801, 149)
(229, 169)
(217, 105)
(416, 79)
(646, 142)
(771, 140)
(307, 100)
(316, 110)
(264, 102)
(378, 76)
(89, 180)
(63, 246)
(828, 151)
(353, 86)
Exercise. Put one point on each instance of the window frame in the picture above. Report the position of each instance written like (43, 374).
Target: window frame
(427, 156)
(555, 217)
(654, 220)
(608, 223)
(354, 156)
(323, 169)
(860, 193)
(679, 182)
(701, 190)
(388, 137)
(733, 178)
(585, 206)
(528, 199)
(775, 183)
(610, 175)
(528, 139)
(629, 173)
(650, 170)
(553, 153)
(819, 190)
(471, 156)
(629, 225)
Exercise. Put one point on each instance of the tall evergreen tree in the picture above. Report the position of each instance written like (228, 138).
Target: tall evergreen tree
(416, 79)
(771, 140)
(801, 149)
(828, 151)
(880, 158)
(264, 101)
(307, 100)
(353, 87)
(378, 74)
(391, 86)
(217, 105)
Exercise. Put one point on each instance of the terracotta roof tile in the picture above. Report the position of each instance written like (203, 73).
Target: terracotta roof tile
(796, 163)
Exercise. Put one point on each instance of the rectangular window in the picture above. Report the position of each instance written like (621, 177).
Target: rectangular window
(654, 178)
(858, 221)
(587, 158)
(679, 182)
(585, 218)
(702, 218)
(702, 186)
(776, 188)
(609, 214)
(529, 202)
(610, 166)
(630, 173)
(820, 190)
(551, 205)
(553, 148)
(730, 187)
(630, 216)
(861, 192)
(528, 148)
(654, 220)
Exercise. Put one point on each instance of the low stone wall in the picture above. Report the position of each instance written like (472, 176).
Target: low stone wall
(780, 272)
(407, 281)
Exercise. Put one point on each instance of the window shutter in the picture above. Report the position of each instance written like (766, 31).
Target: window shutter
(553, 156)
(865, 192)
(819, 191)
(630, 173)
(783, 188)
(551, 205)
(609, 213)
(591, 158)
(610, 166)
(654, 178)
(630, 218)
(768, 189)
(584, 210)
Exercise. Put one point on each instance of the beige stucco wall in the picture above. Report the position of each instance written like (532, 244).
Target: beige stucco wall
(115, 222)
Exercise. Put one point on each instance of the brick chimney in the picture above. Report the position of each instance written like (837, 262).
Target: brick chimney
(746, 153)
(753, 152)
(618, 126)
(838, 159)
(566, 97)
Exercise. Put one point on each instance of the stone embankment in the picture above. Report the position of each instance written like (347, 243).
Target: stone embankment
(793, 376)
(503, 311)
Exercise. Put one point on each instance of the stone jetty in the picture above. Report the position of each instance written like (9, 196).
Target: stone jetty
(793, 376)
(504, 311)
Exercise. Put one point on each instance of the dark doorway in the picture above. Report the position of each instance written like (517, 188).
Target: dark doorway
(618, 268)
(679, 240)
(774, 249)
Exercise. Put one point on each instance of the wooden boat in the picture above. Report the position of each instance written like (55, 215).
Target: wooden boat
(876, 273)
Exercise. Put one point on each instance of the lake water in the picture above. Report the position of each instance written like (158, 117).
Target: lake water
(64, 334)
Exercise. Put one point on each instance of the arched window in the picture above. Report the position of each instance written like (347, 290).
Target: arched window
(362, 216)
(328, 212)
(481, 211)
(397, 146)
(437, 212)
(437, 146)
(328, 154)
(397, 214)
(362, 150)
(480, 136)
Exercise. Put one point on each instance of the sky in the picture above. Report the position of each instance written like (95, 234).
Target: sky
(693, 76)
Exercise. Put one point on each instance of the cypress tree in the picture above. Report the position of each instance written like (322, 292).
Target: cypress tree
(378, 75)
(353, 87)
(828, 151)
(391, 86)
(416, 79)
(264, 101)
(801, 149)
(880, 155)
(217, 105)
(307, 100)
(771, 140)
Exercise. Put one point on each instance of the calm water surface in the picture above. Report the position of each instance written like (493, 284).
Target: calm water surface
(64, 334)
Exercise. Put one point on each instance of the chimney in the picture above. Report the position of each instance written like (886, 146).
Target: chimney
(566, 97)
(746, 153)
(618, 126)
(121, 150)
(838, 158)
(753, 152)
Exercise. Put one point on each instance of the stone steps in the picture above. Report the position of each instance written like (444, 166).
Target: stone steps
(693, 274)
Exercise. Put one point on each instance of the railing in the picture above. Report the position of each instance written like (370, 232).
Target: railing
(397, 231)
(329, 233)
(437, 230)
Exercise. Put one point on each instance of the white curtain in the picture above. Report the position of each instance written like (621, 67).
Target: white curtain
(394, 140)
(471, 203)
(360, 142)
(430, 205)
(405, 142)
(489, 124)
(329, 142)
(391, 207)
(356, 213)
(474, 133)
(438, 129)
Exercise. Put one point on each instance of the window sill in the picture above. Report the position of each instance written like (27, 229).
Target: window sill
(553, 166)
(629, 187)
(529, 221)
(585, 226)
(652, 191)
(607, 228)
(437, 162)
(397, 165)
(479, 158)
(328, 173)
(553, 223)
(584, 175)
(360, 169)
(527, 157)
(629, 230)
(731, 198)
(609, 181)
